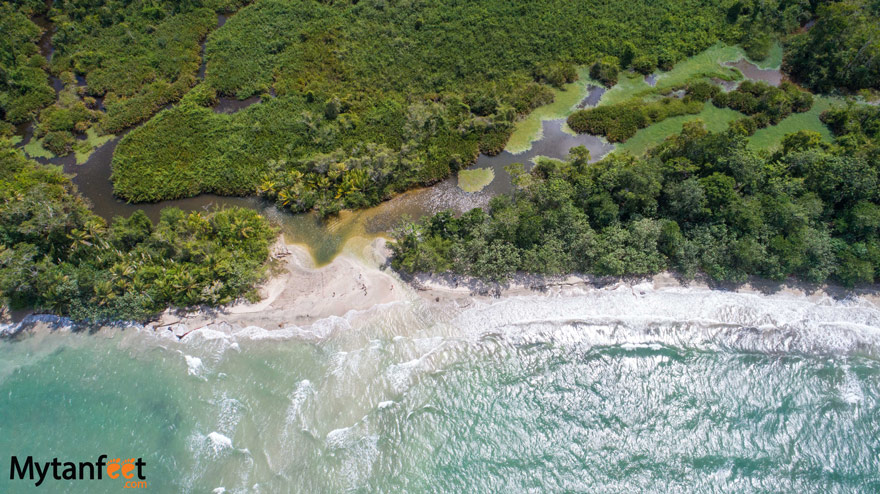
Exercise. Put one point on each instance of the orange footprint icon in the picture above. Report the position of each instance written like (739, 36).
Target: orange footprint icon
(113, 468)
(128, 468)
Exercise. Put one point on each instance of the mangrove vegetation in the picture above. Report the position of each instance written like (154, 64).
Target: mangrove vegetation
(699, 203)
(361, 100)
(57, 256)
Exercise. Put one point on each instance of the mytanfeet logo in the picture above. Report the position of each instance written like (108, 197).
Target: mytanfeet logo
(131, 470)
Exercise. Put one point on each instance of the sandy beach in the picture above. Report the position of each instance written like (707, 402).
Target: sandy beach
(299, 293)
(360, 278)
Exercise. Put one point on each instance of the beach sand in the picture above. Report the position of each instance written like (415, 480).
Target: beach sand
(360, 278)
(300, 293)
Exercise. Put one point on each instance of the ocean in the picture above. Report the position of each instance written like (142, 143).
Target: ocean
(625, 389)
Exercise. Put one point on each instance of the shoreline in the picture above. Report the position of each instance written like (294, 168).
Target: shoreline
(298, 293)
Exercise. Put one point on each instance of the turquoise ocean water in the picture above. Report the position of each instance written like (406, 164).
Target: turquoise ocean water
(597, 391)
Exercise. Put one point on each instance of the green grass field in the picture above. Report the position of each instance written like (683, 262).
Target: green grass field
(475, 180)
(716, 119)
(704, 65)
(708, 64)
(529, 129)
(34, 149)
(771, 137)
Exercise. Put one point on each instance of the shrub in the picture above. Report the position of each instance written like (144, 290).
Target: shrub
(605, 70)
(59, 142)
(619, 122)
(645, 64)
(744, 126)
(556, 74)
(765, 103)
(702, 91)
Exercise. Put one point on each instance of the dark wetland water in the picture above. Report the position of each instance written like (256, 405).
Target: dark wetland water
(751, 71)
(555, 143)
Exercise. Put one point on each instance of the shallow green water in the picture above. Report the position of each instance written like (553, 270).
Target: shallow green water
(601, 391)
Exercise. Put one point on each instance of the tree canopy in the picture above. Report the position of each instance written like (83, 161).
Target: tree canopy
(58, 256)
(700, 202)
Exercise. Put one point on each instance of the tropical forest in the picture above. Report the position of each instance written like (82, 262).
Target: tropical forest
(738, 138)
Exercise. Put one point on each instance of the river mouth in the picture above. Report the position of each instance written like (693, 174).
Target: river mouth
(326, 238)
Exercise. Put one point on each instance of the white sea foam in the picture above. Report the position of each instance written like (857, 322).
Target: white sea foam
(675, 316)
(57, 323)
(194, 365)
(303, 392)
(219, 442)
(636, 316)
(851, 391)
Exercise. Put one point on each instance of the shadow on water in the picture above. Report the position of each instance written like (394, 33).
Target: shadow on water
(594, 94)
(727, 86)
(45, 44)
(232, 105)
(221, 19)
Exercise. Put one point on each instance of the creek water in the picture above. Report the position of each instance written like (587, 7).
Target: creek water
(326, 238)
(751, 71)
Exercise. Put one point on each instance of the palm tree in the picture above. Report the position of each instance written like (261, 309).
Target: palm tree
(79, 238)
(104, 292)
(285, 197)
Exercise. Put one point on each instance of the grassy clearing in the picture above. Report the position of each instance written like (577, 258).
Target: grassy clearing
(475, 180)
(716, 119)
(704, 65)
(773, 60)
(35, 149)
(631, 85)
(771, 137)
(701, 66)
(530, 129)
